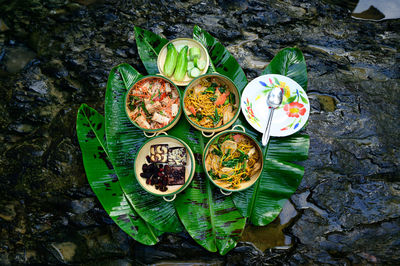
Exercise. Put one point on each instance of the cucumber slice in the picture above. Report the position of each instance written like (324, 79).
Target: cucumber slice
(194, 72)
(190, 66)
(200, 63)
(194, 52)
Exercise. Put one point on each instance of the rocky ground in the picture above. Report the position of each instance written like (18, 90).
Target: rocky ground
(56, 54)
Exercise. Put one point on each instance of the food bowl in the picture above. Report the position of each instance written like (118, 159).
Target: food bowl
(178, 174)
(223, 177)
(208, 86)
(153, 104)
(178, 43)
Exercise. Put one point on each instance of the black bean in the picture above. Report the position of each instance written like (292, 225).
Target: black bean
(148, 159)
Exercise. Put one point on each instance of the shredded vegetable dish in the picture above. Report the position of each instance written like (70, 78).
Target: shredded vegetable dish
(232, 159)
(210, 103)
(153, 103)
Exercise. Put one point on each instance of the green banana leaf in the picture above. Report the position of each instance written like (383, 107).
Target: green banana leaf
(261, 204)
(123, 141)
(221, 60)
(279, 179)
(103, 180)
(149, 46)
(210, 218)
(289, 62)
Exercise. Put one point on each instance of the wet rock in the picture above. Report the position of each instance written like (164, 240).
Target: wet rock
(7, 211)
(65, 251)
(56, 55)
(82, 206)
(16, 58)
(3, 26)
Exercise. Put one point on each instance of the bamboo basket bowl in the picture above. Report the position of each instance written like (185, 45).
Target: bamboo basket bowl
(244, 185)
(209, 132)
(141, 159)
(178, 42)
(153, 132)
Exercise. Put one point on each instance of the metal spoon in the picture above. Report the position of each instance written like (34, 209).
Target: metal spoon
(274, 99)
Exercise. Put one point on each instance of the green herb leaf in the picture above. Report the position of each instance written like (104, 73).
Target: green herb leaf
(217, 152)
(199, 116)
(222, 89)
(232, 98)
(209, 90)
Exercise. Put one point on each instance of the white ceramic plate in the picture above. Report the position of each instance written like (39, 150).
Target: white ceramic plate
(289, 118)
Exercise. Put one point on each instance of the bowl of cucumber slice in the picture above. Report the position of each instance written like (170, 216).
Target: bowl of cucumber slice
(182, 60)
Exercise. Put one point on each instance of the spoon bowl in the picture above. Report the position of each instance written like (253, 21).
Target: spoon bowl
(274, 99)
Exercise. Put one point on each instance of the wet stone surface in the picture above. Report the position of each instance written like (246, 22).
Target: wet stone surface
(56, 55)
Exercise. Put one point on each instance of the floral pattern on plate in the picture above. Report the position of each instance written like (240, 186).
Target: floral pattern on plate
(288, 118)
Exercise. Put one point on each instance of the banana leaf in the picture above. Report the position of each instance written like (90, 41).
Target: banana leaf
(289, 62)
(149, 46)
(210, 218)
(103, 180)
(261, 203)
(279, 179)
(123, 142)
(221, 60)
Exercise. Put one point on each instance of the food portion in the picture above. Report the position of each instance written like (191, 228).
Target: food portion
(183, 60)
(166, 166)
(159, 153)
(232, 159)
(152, 103)
(210, 103)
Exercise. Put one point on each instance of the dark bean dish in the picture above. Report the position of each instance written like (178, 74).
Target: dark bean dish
(166, 166)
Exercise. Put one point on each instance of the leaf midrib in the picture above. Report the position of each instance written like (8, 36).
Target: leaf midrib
(98, 139)
(148, 44)
(105, 150)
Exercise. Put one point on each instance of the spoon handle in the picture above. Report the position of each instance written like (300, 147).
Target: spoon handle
(265, 137)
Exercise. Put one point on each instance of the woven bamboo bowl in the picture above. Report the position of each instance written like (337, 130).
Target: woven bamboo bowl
(209, 132)
(152, 132)
(244, 185)
(141, 159)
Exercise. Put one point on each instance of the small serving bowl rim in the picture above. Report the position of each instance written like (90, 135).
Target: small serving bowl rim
(206, 149)
(192, 168)
(213, 129)
(173, 120)
(161, 66)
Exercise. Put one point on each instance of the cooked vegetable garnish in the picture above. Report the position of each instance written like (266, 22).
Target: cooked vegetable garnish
(208, 103)
(232, 159)
(152, 103)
